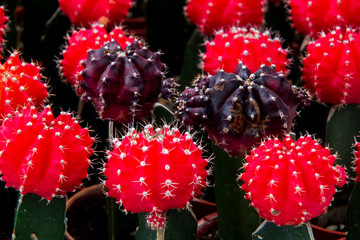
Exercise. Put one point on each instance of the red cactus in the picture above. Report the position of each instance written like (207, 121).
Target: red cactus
(20, 85)
(211, 15)
(155, 170)
(251, 47)
(291, 182)
(314, 16)
(43, 155)
(86, 12)
(78, 45)
(331, 70)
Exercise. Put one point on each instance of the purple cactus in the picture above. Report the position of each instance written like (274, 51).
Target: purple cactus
(239, 109)
(125, 83)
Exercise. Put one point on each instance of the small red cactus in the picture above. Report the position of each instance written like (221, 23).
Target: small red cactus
(155, 170)
(330, 67)
(291, 182)
(43, 155)
(314, 16)
(80, 43)
(251, 47)
(211, 15)
(20, 85)
(86, 12)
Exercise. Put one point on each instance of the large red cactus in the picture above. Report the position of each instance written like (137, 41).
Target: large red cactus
(291, 182)
(43, 155)
(155, 170)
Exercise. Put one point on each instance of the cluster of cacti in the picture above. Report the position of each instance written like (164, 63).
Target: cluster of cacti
(290, 182)
(251, 47)
(314, 16)
(42, 154)
(86, 12)
(240, 109)
(329, 69)
(155, 170)
(247, 83)
(124, 84)
(20, 85)
(212, 15)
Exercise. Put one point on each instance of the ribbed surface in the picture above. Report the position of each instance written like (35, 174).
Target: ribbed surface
(290, 182)
(155, 170)
(251, 47)
(331, 67)
(211, 15)
(20, 85)
(43, 155)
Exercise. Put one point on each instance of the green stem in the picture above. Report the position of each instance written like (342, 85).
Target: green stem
(353, 213)
(237, 220)
(37, 218)
(269, 231)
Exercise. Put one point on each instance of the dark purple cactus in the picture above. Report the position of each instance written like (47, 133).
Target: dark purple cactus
(124, 84)
(239, 109)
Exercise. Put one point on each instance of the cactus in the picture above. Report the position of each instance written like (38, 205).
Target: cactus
(239, 109)
(154, 171)
(329, 70)
(86, 12)
(78, 45)
(307, 19)
(125, 83)
(299, 173)
(43, 155)
(212, 15)
(3, 24)
(251, 47)
(20, 85)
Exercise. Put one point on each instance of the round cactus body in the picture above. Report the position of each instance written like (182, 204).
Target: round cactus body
(20, 85)
(211, 15)
(357, 162)
(43, 155)
(251, 47)
(314, 16)
(331, 70)
(239, 109)
(155, 170)
(78, 45)
(86, 12)
(291, 182)
(124, 84)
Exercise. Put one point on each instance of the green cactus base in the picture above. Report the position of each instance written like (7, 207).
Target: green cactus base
(269, 231)
(180, 225)
(237, 220)
(353, 213)
(37, 218)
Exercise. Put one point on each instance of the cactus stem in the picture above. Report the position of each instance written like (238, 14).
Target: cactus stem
(160, 234)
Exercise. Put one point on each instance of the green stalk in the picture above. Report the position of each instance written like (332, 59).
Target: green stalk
(269, 231)
(180, 225)
(36, 218)
(237, 220)
(353, 213)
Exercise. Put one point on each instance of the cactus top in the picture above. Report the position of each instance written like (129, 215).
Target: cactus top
(155, 170)
(20, 85)
(239, 109)
(249, 46)
(211, 15)
(43, 155)
(331, 69)
(314, 16)
(291, 182)
(87, 12)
